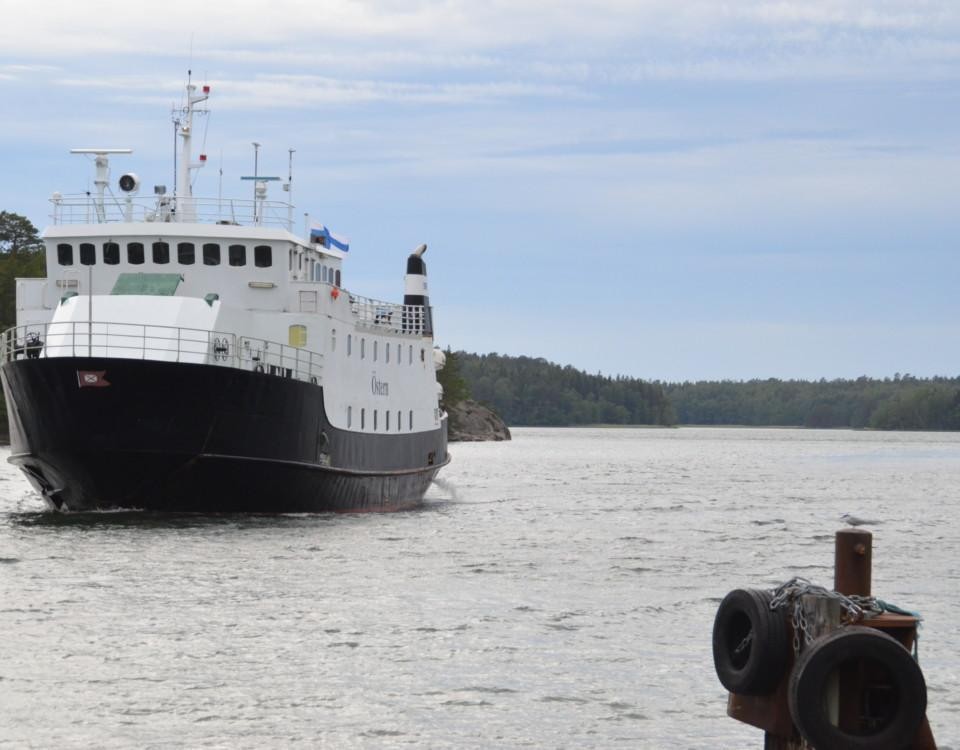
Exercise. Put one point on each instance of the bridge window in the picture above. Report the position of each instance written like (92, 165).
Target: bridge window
(337, 282)
(238, 255)
(111, 253)
(186, 253)
(161, 253)
(65, 255)
(88, 254)
(135, 253)
(211, 254)
(263, 256)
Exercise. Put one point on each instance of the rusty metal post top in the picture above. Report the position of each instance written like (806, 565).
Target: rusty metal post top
(853, 562)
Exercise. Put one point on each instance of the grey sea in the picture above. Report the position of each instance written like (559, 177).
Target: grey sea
(557, 591)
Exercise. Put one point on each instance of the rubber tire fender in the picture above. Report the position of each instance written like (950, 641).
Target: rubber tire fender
(819, 661)
(757, 667)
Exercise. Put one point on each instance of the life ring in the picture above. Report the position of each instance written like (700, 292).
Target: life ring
(750, 643)
(891, 709)
(334, 293)
(258, 368)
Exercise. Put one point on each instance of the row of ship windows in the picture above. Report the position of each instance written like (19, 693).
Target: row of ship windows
(160, 252)
(376, 350)
(315, 270)
(376, 419)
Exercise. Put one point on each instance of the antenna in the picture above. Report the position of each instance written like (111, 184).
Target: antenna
(289, 189)
(183, 123)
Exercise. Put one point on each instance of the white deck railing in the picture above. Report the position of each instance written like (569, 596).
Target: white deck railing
(85, 209)
(160, 344)
(410, 320)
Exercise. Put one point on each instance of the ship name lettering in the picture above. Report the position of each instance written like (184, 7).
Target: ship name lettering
(379, 387)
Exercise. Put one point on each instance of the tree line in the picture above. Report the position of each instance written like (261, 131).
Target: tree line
(21, 256)
(531, 391)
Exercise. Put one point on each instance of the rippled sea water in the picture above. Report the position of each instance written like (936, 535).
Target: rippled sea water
(555, 591)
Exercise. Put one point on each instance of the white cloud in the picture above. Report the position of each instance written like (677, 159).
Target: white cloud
(605, 39)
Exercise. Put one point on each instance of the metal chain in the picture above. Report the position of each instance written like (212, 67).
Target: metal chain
(855, 608)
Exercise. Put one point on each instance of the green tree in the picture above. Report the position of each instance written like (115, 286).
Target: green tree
(17, 234)
(455, 388)
(21, 255)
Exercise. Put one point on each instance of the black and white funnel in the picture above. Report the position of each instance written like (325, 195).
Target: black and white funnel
(415, 288)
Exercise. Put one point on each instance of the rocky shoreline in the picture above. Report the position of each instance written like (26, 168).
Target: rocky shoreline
(471, 422)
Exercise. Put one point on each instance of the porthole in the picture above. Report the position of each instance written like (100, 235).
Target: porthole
(65, 255)
(135, 253)
(186, 253)
(88, 254)
(161, 253)
(211, 254)
(237, 255)
(111, 253)
(263, 256)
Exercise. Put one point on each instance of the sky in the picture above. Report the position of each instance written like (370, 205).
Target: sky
(665, 189)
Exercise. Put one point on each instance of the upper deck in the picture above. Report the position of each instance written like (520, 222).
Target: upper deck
(88, 208)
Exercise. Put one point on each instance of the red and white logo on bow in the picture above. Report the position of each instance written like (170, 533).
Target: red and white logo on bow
(92, 378)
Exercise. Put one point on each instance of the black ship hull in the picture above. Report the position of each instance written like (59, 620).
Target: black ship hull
(99, 434)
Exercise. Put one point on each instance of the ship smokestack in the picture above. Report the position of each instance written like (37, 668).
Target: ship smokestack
(415, 293)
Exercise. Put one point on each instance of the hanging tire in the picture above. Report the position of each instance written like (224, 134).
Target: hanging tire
(891, 705)
(750, 643)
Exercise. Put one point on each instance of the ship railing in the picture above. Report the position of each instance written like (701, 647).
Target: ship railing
(389, 316)
(87, 209)
(160, 344)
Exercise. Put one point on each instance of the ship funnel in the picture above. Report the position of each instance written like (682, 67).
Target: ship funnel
(415, 292)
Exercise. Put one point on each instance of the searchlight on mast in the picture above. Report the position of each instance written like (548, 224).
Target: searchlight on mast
(102, 177)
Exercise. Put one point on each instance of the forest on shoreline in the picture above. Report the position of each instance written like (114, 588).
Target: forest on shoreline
(535, 392)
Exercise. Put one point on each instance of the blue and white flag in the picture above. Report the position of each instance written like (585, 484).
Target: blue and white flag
(319, 233)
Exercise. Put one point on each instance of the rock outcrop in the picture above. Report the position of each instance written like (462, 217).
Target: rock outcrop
(470, 422)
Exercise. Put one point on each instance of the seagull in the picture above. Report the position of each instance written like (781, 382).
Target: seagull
(857, 521)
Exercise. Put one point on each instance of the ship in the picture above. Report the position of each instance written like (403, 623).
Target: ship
(204, 355)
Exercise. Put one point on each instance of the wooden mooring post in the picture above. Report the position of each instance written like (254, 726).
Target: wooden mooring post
(864, 694)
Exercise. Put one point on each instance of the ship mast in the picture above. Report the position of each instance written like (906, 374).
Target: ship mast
(186, 210)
